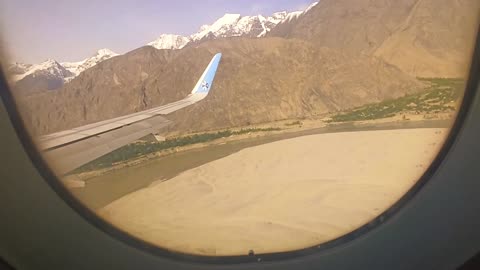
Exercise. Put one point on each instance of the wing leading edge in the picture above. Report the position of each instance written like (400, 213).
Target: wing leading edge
(95, 139)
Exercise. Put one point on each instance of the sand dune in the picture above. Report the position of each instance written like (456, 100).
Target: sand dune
(279, 196)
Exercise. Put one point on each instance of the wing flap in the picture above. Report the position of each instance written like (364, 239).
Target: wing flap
(76, 154)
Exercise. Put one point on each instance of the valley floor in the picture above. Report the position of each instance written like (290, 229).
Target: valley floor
(279, 196)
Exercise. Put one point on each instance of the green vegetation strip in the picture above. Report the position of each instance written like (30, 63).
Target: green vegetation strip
(436, 98)
(139, 149)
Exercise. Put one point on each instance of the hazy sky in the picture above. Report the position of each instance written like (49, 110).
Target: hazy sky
(68, 30)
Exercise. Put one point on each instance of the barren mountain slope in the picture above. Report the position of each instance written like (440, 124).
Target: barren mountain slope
(351, 26)
(426, 38)
(436, 39)
(271, 79)
(258, 80)
(108, 90)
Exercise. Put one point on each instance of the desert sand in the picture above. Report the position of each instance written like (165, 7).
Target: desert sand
(280, 196)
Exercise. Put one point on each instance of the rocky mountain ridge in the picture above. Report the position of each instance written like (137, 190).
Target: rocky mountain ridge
(230, 25)
(260, 80)
(50, 74)
(297, 70)
(425, 38)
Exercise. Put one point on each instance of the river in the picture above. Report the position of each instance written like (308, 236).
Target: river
(104, 189)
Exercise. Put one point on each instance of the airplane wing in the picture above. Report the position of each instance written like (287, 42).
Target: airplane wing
(70, 149)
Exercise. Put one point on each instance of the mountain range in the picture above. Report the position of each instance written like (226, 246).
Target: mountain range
(260, 80)
(77, 67)
(230, 25)
(50, 74)
(338, 55)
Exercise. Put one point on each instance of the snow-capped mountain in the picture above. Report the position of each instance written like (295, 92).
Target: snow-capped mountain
(50, 68)
(77, 67)
(234, 25)
(229, 25)
(61, 71)
(18, 68)
(47, 75)
(169, 41)
(294, 15)
(51, 74)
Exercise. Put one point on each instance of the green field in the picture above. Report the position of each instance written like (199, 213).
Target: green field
(143, 148)
(438, 97)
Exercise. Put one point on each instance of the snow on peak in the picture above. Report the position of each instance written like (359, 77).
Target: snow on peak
(310, 7)
(232, 25)
(227, 19)
(106, 52)
(229, 25)
(48, 63)
(292, 15)
(169, 41)
(18, 68)
(78, 67)
(218, 28)
(63, 71)
(295, 14)
(49, 67)
(279, 15)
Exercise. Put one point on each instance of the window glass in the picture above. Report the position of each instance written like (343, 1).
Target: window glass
(232, 128)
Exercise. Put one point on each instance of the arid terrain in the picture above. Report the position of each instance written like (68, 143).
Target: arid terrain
(424, 38)
(259, 80)
(344, 66)
(337, 56)
(280, 196)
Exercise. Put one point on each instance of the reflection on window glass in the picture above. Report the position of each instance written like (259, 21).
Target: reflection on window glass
(260, 126)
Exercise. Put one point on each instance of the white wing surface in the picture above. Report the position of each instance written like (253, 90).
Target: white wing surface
(72, 148)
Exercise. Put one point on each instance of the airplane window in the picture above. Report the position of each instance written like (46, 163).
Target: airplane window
(229, 128)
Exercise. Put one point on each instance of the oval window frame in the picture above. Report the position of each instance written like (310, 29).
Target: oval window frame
(44, 170)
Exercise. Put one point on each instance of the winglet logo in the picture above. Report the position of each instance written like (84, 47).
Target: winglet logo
(205, 86)
(206, 80)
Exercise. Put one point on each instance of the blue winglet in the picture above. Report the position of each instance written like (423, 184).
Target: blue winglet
(205, 82)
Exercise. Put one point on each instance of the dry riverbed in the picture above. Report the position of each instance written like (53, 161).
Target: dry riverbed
(279, 196)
